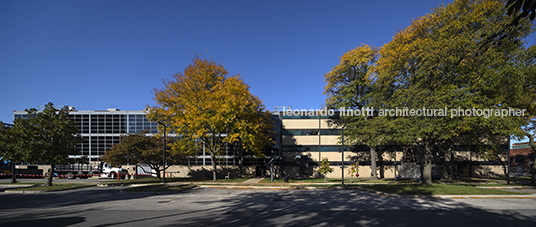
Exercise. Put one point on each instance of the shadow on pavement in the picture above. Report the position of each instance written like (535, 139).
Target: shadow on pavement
(63, 221)
(350, 208)
(249, 208)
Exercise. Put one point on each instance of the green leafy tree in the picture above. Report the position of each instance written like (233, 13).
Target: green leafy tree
(325, 169)
(7, 145)
(350, 86)
(138, 148)
(528, 100)
(47, 136)
(6, 140)
(447, 60)
(205, 105)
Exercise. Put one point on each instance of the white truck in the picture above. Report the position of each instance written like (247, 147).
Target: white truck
(112, 172)
(83, 171)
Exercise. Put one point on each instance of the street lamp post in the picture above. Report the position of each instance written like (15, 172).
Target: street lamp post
(13, 175)
(163, 154)
(342, 129)
(508, 170)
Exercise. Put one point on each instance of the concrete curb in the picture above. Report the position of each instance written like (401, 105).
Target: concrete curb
(114, 185)
(533, 196)
(508, 187)
(23, 192)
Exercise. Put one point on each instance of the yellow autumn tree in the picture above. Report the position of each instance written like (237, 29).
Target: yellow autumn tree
(202, 104)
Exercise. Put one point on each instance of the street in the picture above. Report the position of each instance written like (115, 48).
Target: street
(59, 180)
(108, 206)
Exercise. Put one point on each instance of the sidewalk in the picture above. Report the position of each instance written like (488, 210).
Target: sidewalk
(252, 181)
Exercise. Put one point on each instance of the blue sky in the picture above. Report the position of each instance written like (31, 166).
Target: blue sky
(95, 55)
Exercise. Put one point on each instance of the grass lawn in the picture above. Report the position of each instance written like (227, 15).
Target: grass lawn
(57, 186)
(471, 182)
(437, 189)
(149, 180)
(329, 180)
(18, 183)
(158, 188)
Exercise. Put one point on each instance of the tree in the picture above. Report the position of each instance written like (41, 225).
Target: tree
(47, 136)
(139, 148)
(528, 100)
(325, 168)
(7, 147)
(515, 6)
(350, 86)
(447, 60)
(203, 104)
(6, 140)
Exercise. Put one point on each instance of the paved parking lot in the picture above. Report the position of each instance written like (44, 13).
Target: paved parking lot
(99, 206)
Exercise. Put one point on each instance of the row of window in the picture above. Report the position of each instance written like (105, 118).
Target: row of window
(310, 132)
(110, 123)
(301, 148)
(97, 145)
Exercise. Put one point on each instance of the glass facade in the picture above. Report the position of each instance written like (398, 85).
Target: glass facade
(138, 123)
(102, 129)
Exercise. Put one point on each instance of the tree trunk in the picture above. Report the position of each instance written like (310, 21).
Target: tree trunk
(504, 165)
(427, 167)
(445, 167)
(373, 175)
(214, 170)
(241, 160)
(50, 174)
(381, 165)
(156, 168)
(533, 173)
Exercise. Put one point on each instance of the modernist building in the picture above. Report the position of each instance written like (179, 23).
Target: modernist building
(308, 138)
(103, 128)
(301, 140)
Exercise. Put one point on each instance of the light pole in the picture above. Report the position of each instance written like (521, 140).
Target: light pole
(343, 153)
(163, 153)
(508, 170)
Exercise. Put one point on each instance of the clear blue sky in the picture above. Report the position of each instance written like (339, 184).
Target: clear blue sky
(95, 55)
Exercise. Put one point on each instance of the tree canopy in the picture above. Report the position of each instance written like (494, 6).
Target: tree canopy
(202, 104)
(350, 86)
(465, 55)
(138, 148)
(48, 136)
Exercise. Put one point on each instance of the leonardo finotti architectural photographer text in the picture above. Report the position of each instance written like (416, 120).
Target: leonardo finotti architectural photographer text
(407, 112)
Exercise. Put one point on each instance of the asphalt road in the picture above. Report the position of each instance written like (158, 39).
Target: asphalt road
(58, 180)
(109, 206)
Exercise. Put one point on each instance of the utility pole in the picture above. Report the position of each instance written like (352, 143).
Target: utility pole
(163, 153)
(342, 142)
